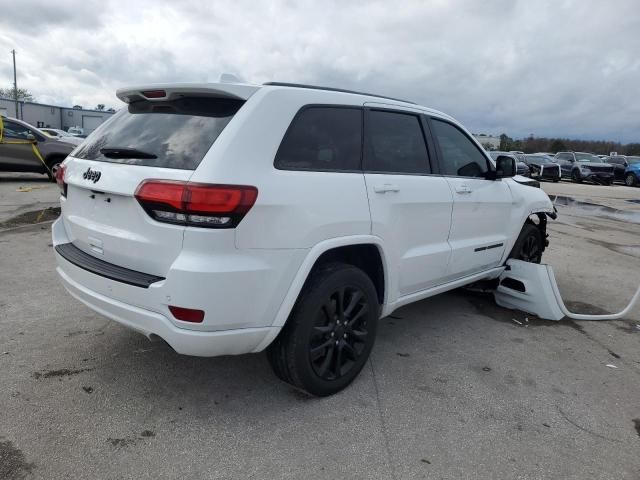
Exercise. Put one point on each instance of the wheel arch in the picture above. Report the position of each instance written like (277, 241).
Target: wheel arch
(347, 249)
(538, 218)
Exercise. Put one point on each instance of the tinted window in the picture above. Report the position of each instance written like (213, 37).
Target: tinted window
(178, 133)
(15, 130)
(459, 155)
(395, 143)
(322, 138)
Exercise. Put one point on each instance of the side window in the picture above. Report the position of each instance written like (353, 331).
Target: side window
(15, 130)
(322, 138)
(394, 143)
(459, 156)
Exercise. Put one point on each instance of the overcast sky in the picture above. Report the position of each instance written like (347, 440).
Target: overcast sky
(567, 68)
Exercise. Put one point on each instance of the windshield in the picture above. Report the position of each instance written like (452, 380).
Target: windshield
(588, 158)
(170, 134)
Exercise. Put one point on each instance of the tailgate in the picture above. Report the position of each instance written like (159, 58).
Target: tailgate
(103, 218)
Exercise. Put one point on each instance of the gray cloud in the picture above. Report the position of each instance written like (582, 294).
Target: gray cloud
(555, 68)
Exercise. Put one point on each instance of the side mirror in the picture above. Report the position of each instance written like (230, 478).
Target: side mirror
(31, 137)
(505, 167)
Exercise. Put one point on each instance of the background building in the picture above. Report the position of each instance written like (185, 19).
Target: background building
(43, 115)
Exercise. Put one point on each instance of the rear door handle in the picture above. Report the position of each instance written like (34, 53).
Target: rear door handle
(463, 189)
(387, 187)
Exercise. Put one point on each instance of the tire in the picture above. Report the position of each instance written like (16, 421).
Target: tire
(556, 180)
(53, 163)
(529, 245)
(575, 176)
(304, 353)
(630, 180)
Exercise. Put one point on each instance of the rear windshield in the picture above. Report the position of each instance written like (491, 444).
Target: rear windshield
(168, 134)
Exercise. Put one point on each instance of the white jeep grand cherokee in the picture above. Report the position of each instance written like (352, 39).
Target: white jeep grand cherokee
(233, 218)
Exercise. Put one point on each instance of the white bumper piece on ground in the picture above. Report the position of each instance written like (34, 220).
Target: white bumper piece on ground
(532, 288)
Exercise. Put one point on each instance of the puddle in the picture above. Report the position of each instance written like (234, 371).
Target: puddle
(31, 218)
(595, 209)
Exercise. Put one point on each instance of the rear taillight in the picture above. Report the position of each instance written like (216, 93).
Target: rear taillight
(58, 174)
(196, 204)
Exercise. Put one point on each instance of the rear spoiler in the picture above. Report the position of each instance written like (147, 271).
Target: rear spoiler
(162, 92)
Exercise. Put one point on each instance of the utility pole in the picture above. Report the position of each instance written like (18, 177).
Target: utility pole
(15, 81)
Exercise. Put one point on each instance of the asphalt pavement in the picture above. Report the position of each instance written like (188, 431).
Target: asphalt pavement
(457, 388)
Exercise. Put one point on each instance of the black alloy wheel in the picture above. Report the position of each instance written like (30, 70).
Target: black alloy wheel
(339, 334)
(531, 250)
(528, 246)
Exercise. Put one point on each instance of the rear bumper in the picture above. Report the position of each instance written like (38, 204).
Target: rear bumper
(186, 342)
(239, 291)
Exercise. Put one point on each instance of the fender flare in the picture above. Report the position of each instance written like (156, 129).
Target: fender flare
(305, 269)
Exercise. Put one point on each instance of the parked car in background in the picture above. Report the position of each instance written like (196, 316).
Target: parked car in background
(17, 152)
(620, 164)
(213, 216)
(77, 132)
(521, 167)
(632, 171)
(542, 167)
(62, 135)
(580, 166)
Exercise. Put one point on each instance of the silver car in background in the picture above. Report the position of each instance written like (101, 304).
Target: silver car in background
(62, 135)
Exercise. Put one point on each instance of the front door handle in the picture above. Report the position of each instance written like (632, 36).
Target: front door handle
(463, 189)
(387, 187)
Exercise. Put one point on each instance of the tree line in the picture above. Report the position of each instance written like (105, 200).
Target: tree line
(554, 145)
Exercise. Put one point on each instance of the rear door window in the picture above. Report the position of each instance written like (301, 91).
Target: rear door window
(322, 139)
(168, 134)
(394, 143)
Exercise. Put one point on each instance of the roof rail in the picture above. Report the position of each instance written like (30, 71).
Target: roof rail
(330, 89)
